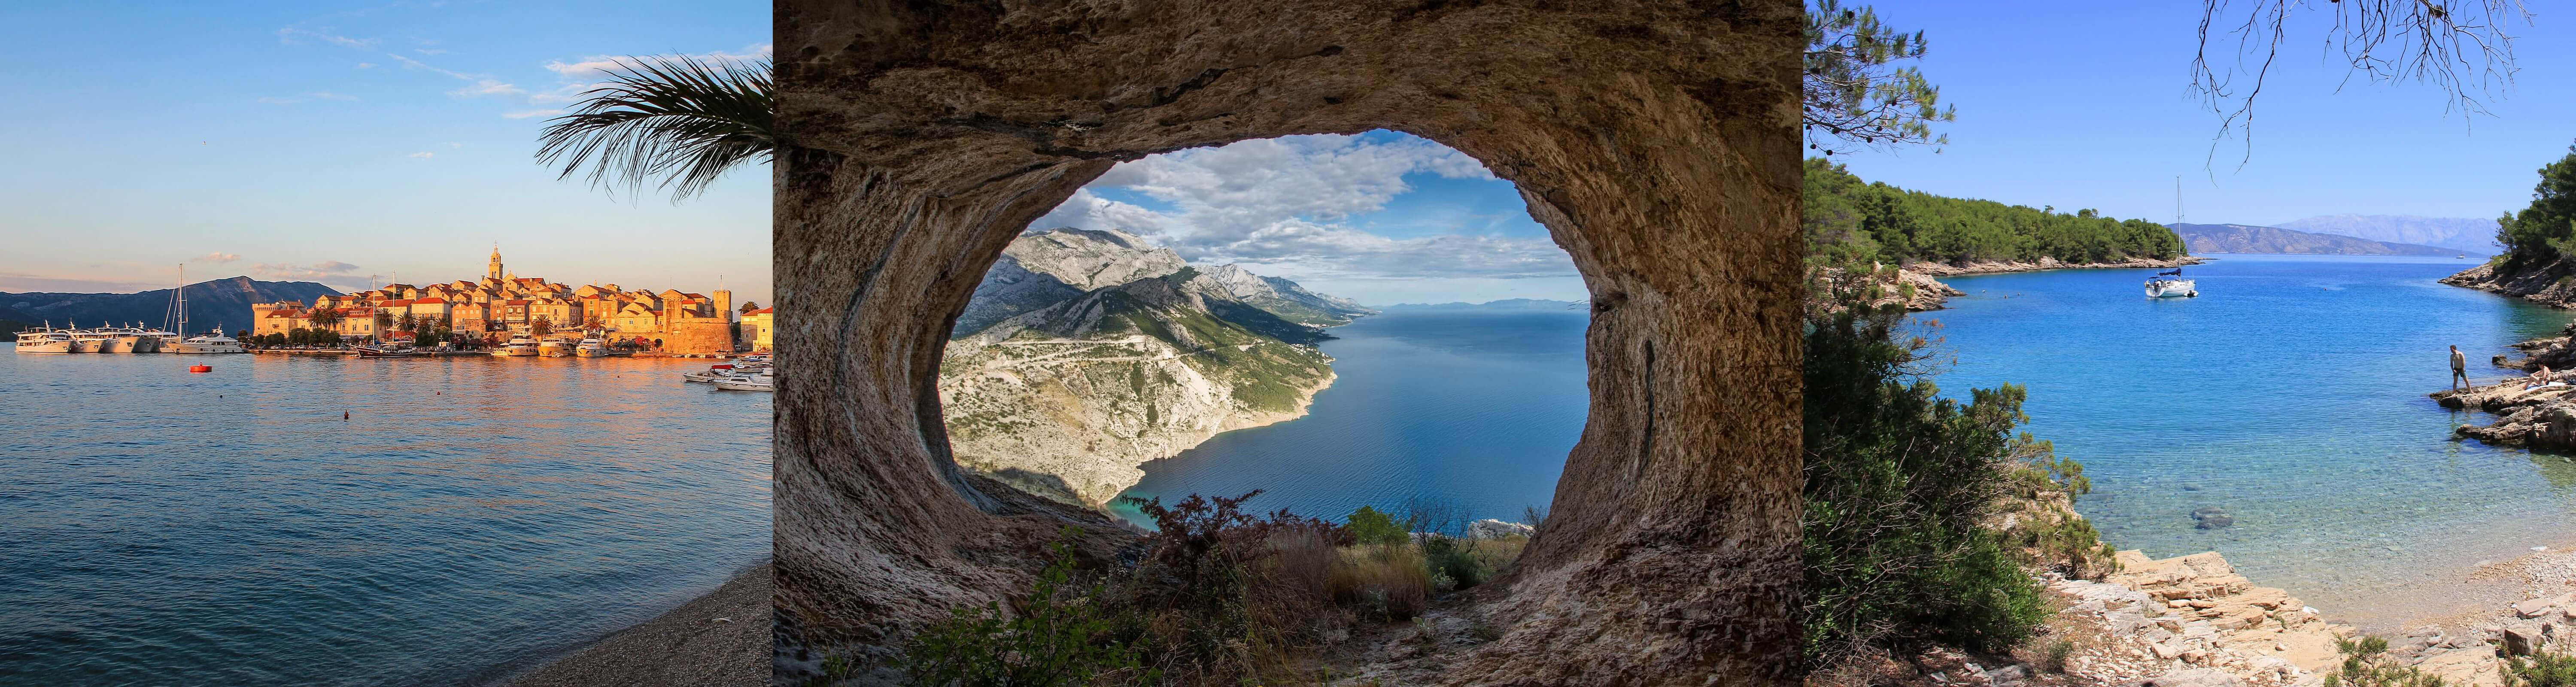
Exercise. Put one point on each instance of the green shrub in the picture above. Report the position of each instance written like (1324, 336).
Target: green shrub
(2366, 663)
(1061, 635)
(1899, 482)
(1371, 526)
(2545, 669)
(1455, 561)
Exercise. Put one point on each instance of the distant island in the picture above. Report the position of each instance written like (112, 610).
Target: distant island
(2248, 238)
(221, 302)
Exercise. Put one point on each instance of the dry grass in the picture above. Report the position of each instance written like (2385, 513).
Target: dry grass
(1382, 581)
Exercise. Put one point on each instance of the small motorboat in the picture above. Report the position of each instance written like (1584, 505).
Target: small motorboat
(388, 350)
(759, 382)
(2172, 285)
(718, 372)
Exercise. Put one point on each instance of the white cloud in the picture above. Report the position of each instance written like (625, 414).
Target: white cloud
(586, 73)
(1279, 203)
(524, 114)
(290, 34)
(483, 87)
(366, 65)
(327, 95)
(423, 155)
(453, 144)
(218, 257)
(423, 66)
(274, 100)
(429, 51)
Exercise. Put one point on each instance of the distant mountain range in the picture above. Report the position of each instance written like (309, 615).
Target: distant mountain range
(220, 303)
(2462, 234)
(1505, 304)
(2247, 238)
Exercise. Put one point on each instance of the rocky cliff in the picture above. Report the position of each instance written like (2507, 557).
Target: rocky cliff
(1096, 353)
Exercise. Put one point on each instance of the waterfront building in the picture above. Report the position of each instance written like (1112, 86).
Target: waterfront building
(758, 328)
(504, 303)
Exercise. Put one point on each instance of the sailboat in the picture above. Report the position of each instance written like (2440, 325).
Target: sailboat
(209, 343)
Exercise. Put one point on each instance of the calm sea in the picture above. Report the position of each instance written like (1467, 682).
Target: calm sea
(2290, 394)
(472, 516)
(1471, 409)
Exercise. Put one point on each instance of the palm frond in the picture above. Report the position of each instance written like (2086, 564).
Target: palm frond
(680, 119)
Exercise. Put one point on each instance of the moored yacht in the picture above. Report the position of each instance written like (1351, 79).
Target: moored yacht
(2172, 285)
(518, 346)
(591, 347)
(125, 340)
(765, 381)
(87, 341)
(211, 343)
(554, 348)
(45, 339)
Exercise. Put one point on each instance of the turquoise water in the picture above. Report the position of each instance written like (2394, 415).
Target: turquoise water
(472, 517)
(1472, 409)
(2290, 394)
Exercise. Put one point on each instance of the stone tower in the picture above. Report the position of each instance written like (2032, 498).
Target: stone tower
(724, 304)
(494, 270)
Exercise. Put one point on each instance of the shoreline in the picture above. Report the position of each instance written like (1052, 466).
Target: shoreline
(1933, 294)
(719, 638)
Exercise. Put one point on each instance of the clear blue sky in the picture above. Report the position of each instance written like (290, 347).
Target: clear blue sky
(2088, 104)
(331, 141)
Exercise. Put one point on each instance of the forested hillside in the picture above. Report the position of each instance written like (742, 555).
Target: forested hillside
(1846, 217)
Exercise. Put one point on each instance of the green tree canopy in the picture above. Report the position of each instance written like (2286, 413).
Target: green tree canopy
(1846, 218)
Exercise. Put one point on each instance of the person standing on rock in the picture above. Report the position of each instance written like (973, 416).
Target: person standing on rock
(2459, 369)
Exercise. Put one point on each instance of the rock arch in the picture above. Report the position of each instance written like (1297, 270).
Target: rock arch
(1656, 139)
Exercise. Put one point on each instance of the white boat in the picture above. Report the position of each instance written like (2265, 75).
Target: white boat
(211, 343)
(592, 348)
(723, 371)
(88, 340)
(554, 348)
(391, 349)
(518, 346)
(764, 381)
(126, 340)
(2172, 285)
(45, 339)
(158, 340)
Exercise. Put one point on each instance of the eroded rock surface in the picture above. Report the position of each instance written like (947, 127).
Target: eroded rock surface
(2545, 283)
(1657, 140)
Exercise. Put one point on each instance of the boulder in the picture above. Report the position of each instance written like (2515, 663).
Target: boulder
(2523, 641)
(2196, 677)
(1490, 528)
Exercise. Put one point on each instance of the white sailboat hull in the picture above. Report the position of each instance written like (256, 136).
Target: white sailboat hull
(189, 347)
(2172, 288)
(745, 384)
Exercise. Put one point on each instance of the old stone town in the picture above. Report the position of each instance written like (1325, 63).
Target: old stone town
(503, 304)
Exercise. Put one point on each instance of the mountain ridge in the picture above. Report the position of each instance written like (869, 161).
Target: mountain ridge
(2469, 235)
(1086, 353)
(2253, 238)
(214, 303)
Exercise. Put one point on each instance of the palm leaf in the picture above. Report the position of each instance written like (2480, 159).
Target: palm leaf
(679, 119)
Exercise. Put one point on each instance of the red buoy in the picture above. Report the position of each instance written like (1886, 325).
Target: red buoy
(201, 368)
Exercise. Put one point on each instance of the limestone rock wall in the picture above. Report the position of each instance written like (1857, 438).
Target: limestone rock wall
(1656, 139)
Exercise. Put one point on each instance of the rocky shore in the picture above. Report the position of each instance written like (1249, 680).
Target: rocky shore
(2543, 417)
(2546, 284)
(1931, 294)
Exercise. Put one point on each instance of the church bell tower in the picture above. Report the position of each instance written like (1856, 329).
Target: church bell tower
(494, 271)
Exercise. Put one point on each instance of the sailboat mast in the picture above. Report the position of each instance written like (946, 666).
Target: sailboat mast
(183, 300)
(2177, 199)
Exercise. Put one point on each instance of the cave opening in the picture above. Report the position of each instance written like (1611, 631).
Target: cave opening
(1655, 142)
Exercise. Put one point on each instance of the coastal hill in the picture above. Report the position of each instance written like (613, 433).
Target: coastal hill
(2469, 235)
(219, 303)
(1086, 353)
(2247, 238)
(1505, 304)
